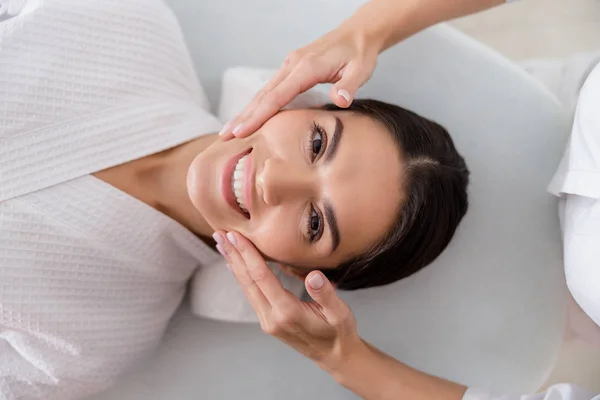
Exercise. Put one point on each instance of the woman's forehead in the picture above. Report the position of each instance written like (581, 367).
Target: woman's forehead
(364, 184)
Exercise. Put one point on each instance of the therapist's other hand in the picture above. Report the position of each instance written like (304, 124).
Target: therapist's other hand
(324, 330)
(344, 57)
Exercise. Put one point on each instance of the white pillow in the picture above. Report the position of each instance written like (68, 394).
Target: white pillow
(240, 84)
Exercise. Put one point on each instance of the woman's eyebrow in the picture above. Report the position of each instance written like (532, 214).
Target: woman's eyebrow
(333, 227)
(335, 140)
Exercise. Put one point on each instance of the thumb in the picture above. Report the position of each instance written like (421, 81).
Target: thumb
(343, 91)
(322, 292)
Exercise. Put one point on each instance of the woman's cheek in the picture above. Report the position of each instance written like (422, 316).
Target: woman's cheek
(198, 184)
(276, 243)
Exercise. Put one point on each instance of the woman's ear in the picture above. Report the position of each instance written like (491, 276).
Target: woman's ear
(294, 272)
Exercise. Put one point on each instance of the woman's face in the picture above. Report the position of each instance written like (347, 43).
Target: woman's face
(316, 187)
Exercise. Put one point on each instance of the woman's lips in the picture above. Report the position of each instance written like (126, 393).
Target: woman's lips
(226, 182)
(248, 183)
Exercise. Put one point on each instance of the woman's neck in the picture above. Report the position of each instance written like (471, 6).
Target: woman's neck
(168, 180)
(160, 180)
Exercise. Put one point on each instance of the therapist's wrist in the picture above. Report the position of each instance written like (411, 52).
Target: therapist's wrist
(343, 359)
(374, 375)
(387, 22)
(356, 367)
(367, 372)
(383, 23)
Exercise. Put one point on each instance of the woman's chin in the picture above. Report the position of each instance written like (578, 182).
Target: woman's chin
(196, 182)
(202, 186)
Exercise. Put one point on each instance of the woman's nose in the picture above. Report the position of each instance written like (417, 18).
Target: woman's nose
(280, 180)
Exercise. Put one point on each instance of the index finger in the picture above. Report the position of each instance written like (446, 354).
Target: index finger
(258, 270)
(295, 83)
(253, 293)
(281, 74)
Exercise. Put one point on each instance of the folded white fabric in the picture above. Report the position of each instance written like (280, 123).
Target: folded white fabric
(240, 84)
(214, 293)
(579, 170)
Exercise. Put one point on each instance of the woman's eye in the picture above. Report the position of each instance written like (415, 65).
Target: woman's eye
(314, 227)
(317, 143)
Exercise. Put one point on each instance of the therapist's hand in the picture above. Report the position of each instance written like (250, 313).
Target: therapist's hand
(324, 330)
(347, 55)
(344, 57)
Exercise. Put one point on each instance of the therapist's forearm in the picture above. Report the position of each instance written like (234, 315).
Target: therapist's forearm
(387, 22)
(374, 375)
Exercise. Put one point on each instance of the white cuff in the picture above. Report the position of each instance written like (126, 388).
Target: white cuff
(477, 394)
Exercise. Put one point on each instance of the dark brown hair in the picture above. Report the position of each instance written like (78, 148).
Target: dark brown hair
(435, 180)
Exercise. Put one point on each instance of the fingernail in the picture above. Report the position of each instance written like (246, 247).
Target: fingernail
(228, 267)
(237, 129)
(217, 237)
(345, 94)
(232, 238)
(316, 281)
(221, 250)
(225, 128)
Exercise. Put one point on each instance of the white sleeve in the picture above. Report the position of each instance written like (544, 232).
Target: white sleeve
(558, 392)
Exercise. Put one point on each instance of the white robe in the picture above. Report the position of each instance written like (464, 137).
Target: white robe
(89, 276)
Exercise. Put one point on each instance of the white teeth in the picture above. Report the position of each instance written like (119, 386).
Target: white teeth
(237, 180)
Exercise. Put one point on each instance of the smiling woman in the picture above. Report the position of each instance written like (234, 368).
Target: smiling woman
(298, 176)
(369, 194)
